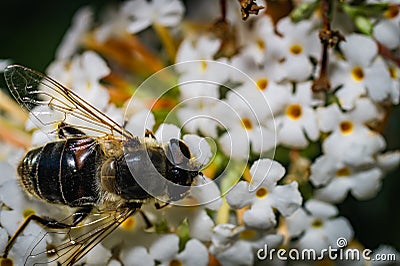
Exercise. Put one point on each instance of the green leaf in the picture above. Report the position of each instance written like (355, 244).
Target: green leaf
(303, 11)
(363, 24)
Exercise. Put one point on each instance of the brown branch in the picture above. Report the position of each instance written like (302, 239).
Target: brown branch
(386, 53)
(329, 39)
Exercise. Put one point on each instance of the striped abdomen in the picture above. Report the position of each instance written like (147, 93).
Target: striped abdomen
(63, 171)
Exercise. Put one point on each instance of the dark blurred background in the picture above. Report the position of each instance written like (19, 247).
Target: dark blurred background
(32, 30)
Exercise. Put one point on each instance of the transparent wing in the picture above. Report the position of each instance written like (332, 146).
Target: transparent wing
(51, 103)
(71, 244)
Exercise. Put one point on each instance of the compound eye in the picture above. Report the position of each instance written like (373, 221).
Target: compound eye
(178, 152)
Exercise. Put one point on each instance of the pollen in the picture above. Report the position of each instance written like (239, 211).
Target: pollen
(128, 224)
(248, 234)
(203, 65)
(345, 171)
(175, 262)
(28, 212)
(317, 223)
(394, 74)
(357, 73)
(392, 11)
(294, 111)
(261, 44)
(247, 124)
(296, 49)
(261, 192)
(262, 84)
(346, 127)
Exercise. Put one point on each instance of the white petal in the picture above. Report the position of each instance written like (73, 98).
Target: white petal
(267, 172)
(240, 196)
(260, 216)
(291, 134)
(165, 247)
(136, 256)
(3, 239)
(366, 185)
(238, 254)
(359, 49)
(165, 132)
(323, 170)
(199, 148)
(195, 253)
(335, 191)
(98, 255)
(389, 161)
(207, 193)
(321, 209)
(329, 117)
(286, 198)
(297, 222)
(200, 226)
(338, 228)
(387, 32)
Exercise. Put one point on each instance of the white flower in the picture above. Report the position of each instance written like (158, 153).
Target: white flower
(317, 226)
(144, 13)
(235, 245)
(204, 194)
(83, 74)
(81, 23)
(338, 179)
(300, 41)
(298, 121)
(3, 64)
(268, 195)
(98, 255)
(387, 32)
(136, 256)
(166, 250)
(359, 73)
(349, 132)
(262, 44)
(246, 123)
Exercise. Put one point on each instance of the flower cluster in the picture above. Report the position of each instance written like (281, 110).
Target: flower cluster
(252, 99)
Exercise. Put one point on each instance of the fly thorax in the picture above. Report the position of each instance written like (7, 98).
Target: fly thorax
(108, 176)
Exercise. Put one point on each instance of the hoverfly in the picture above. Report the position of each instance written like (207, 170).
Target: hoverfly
(110, 173)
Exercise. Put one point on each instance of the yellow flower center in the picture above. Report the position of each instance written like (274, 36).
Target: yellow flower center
(246, 123)
(392, 11)
(128, 224)
(346, 127)
(345, 171)
(317, 223)
(203, 65)
(393, 72)
(294, 111)
(262, 83)
(248, 234)
(175, 262)
(262, 192)
(357, 73)
(261, 44)
(296, 49)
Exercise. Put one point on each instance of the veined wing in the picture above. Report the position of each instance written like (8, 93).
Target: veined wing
(51, 103)
(75, 242)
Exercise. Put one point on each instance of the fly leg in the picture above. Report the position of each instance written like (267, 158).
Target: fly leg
(149, 134)
(78, 216)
